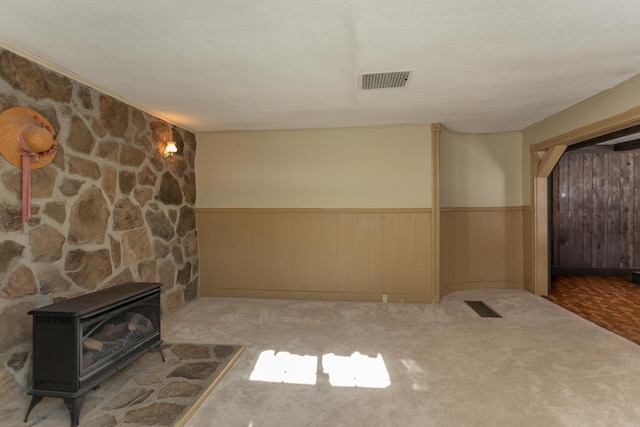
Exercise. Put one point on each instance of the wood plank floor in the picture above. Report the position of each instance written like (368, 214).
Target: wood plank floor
(610, 302)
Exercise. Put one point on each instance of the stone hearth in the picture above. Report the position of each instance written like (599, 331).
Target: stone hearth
(148, 392)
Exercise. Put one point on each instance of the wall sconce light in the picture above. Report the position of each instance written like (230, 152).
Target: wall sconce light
(170, 148)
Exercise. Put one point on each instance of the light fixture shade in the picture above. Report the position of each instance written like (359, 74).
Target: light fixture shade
(171, 147)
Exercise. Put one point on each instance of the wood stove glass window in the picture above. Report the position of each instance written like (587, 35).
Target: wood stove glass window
(118, 332)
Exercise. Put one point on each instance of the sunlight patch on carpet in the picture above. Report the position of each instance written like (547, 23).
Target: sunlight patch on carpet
(284, 367)
(356, 370)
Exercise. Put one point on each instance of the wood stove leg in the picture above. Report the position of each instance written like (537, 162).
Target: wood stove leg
(74, 406)
(34, 401)
(160, 351)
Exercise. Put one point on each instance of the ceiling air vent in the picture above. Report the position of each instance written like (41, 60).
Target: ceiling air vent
(385, 80)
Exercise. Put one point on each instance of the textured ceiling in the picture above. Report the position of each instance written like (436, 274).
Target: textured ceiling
(477, 66)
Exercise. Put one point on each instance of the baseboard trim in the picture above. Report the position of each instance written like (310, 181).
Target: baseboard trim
(455, 287)
(487, 209)
(592, 271)
(314, 210)
(320, 296)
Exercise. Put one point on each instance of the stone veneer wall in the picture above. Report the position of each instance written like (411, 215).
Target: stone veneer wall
(109, 209)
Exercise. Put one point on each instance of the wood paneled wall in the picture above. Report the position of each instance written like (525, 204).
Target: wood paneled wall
(356, 255)
(482, 248)
(596, 210)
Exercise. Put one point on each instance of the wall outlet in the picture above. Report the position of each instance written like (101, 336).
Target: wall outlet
(384, 297)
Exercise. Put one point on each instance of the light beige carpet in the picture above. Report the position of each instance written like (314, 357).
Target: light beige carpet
(539, 365)
(324, 364)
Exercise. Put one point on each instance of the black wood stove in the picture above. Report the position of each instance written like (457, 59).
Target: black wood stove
(80, 342)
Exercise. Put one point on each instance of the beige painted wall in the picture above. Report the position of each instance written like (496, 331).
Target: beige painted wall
(617, 100)
(481, 220)
(374, 167)
(480, 170)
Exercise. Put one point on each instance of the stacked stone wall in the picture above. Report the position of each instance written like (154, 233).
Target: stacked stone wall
(109, 209)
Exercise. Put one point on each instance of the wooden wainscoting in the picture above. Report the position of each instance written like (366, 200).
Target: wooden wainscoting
(320, 254)
(482, 248)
